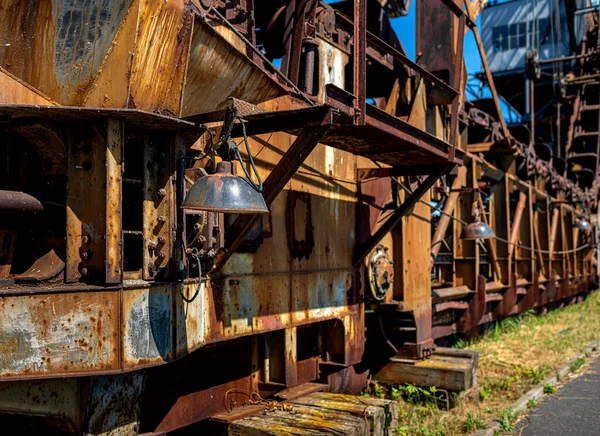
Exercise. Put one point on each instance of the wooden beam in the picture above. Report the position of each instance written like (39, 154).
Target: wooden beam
(444, 370)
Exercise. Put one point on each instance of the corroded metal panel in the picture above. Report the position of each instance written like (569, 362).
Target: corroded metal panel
(59, 397)
(53, 45)
(192, 318)
(158, 70)
(217, 71)
(147, 326)
(86, 207)
(52, 334)
(158, 198)
(114, 405)
(110, 86)
(14, 91)
(320, 296)
(254, 304)
(114, 162)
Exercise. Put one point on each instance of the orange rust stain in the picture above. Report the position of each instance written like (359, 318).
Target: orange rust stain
(27, 35)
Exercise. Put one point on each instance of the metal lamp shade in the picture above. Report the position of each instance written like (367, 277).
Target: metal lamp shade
(224, 192)
(582, 224)
(477, 230)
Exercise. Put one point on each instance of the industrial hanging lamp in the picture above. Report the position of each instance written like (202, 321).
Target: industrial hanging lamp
(224, 191)
(477, 229)
(582, 224)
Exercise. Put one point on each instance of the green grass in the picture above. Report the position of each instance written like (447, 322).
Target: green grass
(549, 389)
(473, 422)
(507, 419)
(515, 355)
(532, 403)
(577, 363)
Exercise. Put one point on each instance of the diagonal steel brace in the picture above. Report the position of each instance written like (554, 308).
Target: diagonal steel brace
(276, 181)
(363, 250)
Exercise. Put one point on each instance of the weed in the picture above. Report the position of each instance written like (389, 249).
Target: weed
(375, 389)
(577, 363)
(473, 423)
(536, 375)
(483, 394)
(514, 356)
(415, 395)
(549, 389)
(532, 403)
(508, 419)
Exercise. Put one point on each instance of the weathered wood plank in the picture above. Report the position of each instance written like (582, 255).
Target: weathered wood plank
(381, 414)
(301, 390)
(319, 413)
(303, 420)
(446, 369)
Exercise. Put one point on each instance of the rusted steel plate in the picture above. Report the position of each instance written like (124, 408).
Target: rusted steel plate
(44, 397)
(52, 46)
(157, 209)
(320, 296)
(158, 70)
(111, 83)
(147, 326)
(114, 191)
(254, 304)
(138, 118)
(13, 90)
(86, 203)
(44, 268)
(114, 404)
(52, 334)
(192, 319)
(217, 71)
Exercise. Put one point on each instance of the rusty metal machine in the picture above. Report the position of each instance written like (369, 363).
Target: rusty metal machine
(134, 300)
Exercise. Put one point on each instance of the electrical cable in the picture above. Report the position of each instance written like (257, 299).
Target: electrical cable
(200, 282)
(506, 241)
(258, 187)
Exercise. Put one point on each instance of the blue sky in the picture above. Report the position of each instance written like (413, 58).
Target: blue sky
(405, 28)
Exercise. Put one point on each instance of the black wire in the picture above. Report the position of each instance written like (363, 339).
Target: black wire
(258, 187)
(181, 288)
